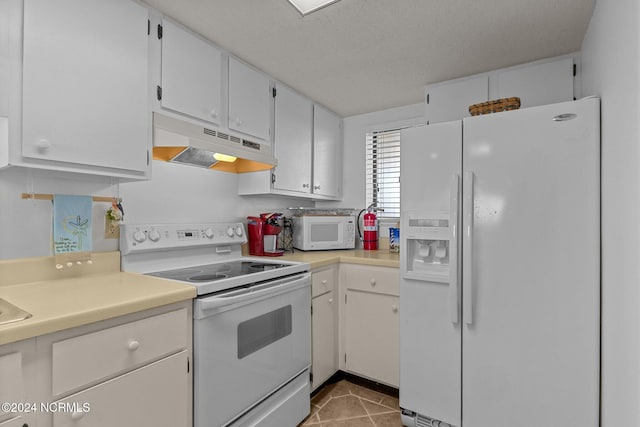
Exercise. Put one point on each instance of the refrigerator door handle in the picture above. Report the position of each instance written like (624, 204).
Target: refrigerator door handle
(454, 282)
(467, 244)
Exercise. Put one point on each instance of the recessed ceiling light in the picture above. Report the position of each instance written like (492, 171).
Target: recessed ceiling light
(305, 7)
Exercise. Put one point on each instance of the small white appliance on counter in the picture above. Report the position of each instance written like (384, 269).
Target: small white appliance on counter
(319, 230)
(500, 269)
(251, 326)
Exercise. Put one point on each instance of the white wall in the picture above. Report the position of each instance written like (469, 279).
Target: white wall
(181, 193)
(176, 193)
(25, 225)
(610, 69)
(355, 128)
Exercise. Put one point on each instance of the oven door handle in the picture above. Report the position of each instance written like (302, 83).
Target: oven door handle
(261, 291)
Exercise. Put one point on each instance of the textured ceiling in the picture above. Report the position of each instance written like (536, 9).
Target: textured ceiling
(358, 56)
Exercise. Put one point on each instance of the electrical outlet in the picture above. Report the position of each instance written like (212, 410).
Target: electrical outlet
(111, 229)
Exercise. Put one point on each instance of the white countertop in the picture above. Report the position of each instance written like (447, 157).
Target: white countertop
(71, 297)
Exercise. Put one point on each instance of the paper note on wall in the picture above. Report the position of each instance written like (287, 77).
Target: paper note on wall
(72, 228)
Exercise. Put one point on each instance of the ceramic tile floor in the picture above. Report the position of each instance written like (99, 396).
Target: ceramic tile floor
(345, 404)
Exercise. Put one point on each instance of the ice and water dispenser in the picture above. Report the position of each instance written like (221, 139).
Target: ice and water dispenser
(429, 242)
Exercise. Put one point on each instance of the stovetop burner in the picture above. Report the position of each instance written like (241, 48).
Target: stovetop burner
(213, 272)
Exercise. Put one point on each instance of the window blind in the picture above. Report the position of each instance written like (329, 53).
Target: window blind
(383, 171)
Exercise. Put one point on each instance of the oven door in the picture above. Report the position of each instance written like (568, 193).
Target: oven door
(247, 344)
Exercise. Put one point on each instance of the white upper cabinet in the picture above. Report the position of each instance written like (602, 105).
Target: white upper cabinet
(451, 100)
(539, 84)
(85, 86)
(292, 144)
(308, 146)
(327, 153)
(191, 74)
(249, 100)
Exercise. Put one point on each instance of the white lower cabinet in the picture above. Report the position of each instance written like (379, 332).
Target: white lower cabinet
(89, 358)
(323, 325)
(154, 395)
(128, 371)
(371, 323)
(17, 382)
(15, 422)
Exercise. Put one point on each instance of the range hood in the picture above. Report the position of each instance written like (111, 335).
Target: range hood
(179, 141)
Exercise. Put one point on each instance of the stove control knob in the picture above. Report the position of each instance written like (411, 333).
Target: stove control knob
(154, 236)
(139, 236)
(239, 231)
(209, 233)
(230, 232)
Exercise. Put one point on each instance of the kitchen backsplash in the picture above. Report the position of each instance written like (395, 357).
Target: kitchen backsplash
(175, 193)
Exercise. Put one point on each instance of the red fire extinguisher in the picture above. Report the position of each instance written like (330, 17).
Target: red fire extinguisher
(370, 240)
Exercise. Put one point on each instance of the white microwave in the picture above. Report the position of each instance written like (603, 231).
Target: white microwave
(324, 232)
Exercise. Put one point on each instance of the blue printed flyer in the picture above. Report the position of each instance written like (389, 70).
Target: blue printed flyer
(72, 226)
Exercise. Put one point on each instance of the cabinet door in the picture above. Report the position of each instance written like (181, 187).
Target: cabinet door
(540, 84)
(18, 380)
(154, 395)
(323, 333)
(327, 153)
(11, 386)
(191, 74)
(450, 101)
(293, 122)
(85, 76)
(249, 100)
(18, 421)
(5, 61)
(371, 341)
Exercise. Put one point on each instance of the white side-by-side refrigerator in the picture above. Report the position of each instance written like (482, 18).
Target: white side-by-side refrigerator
(500, 269)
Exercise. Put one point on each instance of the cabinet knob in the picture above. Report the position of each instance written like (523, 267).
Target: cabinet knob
(330, 300)
(316, 187)
(324, 282)
(238, 121)
(394, 308)
(77, 416)
(373, 282)
(213, 113)
(134, 345)
(43, 144)
(305, 185)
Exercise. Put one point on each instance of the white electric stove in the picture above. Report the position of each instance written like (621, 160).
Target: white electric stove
(252, 320)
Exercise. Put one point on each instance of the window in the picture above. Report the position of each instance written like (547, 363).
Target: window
(383, 172)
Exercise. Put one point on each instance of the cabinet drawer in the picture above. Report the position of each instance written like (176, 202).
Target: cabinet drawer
(11, 381)
(88, 358)
(14, 422)
(371, 279)
(154, 395)
(322, 282)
